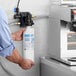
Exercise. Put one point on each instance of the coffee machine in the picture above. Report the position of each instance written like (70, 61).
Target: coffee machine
(62, 32)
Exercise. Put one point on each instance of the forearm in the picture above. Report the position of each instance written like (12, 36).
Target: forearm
(15, 57)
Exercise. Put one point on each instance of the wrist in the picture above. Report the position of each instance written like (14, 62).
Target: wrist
(20, 61)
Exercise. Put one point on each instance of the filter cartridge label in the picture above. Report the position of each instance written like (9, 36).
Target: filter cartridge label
(29, 41)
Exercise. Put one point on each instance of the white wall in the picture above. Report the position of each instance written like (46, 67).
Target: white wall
(36, 7)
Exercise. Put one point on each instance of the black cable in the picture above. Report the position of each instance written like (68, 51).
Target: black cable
(18, 3)
(17, 8)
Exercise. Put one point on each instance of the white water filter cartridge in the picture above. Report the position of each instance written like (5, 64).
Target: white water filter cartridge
(28, 43)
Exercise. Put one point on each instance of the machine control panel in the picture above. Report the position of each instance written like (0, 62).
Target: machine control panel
(73, 14)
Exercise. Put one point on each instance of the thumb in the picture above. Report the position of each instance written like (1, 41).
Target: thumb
(32, 63)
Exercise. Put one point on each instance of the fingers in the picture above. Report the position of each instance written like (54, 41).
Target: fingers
(26, 64)
(26, 67)
(31, 63)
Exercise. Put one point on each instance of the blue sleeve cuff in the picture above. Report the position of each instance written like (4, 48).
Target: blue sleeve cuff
(7, 51)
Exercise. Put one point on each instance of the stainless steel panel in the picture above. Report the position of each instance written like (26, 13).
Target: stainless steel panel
(53, 68)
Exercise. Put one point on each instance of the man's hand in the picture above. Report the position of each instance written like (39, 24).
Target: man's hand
(17, 58)
(26, 64)
(18, 36)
